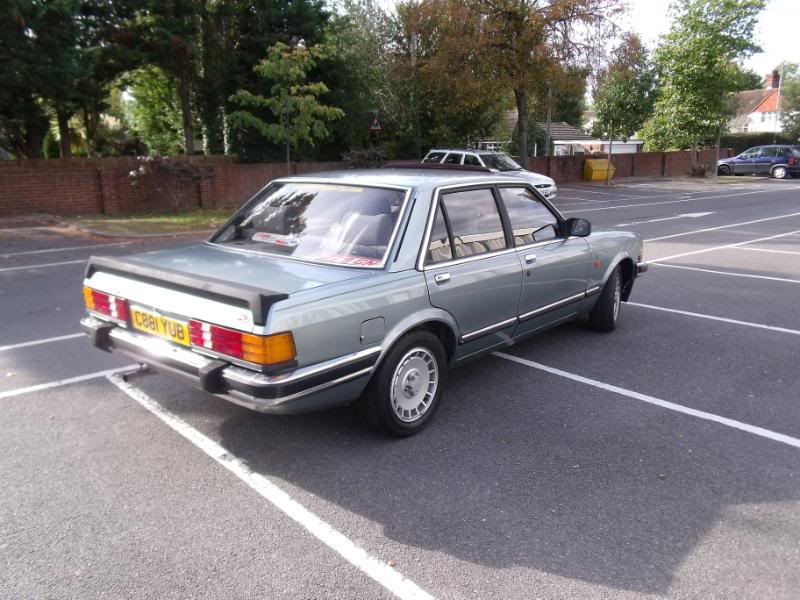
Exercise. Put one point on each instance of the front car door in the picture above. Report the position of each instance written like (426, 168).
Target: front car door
(471, 268)
(555, 268)
(745, 163)
(766, 159)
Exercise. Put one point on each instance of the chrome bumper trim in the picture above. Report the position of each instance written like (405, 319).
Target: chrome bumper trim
(642, 267)
(255, 390)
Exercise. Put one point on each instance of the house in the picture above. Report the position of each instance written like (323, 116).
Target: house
(757, 110)
(569, 140)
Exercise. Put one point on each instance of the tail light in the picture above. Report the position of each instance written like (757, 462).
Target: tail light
(106, 304)
(790, 161)
(259, 349)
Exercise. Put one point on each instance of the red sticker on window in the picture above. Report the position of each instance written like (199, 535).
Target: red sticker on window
(353, 261)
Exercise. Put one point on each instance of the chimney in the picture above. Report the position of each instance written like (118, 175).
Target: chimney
(773, 80)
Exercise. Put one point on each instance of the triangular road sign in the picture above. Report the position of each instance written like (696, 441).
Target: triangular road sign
(376, 125)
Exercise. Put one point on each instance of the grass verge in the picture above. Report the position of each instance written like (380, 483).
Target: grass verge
(152, 222)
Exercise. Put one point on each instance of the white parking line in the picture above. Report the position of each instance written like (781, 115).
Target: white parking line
(43, 341)
(674, 201)
(723, 247)
(767, 250)
(715, 318)
(700, 414)
(674, 235)
(52, 384)
(42, 266)
(729, 273)
(378, 570)
(63, 249)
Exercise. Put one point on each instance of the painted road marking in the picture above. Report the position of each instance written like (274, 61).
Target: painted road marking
(42, 266)
(377, 569)
(766, 250)
(674, 235)
(683, 216)
(675, 201)
(729, 273)
(700, 414)
(68, 248)
(59, 338)
(52, 384)
(713, 248)
(715, 318)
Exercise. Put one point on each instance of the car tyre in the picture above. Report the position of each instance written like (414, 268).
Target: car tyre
(605, 314)
(724, 170)
(780, 172)
(407, 387)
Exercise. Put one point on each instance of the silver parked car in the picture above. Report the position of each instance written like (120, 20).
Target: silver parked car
(497, 162)
(360, 287)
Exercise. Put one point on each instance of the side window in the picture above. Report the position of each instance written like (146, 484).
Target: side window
(433, 157)
(531, 221)
(769, 151)
(454, 158)
(475, 222)
(752, 153)
(472, 160)
(439, 249)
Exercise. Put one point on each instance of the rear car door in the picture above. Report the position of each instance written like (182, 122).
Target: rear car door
(454, 158)
(555, 268)
(471, 268)
(766, 159)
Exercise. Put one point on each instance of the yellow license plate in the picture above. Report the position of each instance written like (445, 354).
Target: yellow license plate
(174, 331)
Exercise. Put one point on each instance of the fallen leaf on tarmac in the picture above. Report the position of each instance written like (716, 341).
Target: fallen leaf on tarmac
(391, 563)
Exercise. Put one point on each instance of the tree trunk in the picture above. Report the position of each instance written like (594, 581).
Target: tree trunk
(522, 126)
(608, 166)
(63, 133)
(288, 158)
(184, 95)
(716, 152)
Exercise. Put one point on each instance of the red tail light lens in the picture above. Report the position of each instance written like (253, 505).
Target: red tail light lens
(790, 161)
(113, 306)
(259, 349)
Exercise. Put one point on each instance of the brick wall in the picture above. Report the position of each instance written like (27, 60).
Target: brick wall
(103, 185)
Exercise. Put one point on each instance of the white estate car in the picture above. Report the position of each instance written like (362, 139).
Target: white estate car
(498, 162)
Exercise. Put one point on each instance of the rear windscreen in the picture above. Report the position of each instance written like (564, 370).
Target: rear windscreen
(327, 223)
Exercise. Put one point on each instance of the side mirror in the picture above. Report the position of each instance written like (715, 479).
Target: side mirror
(576, 227)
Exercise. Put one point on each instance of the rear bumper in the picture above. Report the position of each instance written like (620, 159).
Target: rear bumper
(332, 383)
(642, 267)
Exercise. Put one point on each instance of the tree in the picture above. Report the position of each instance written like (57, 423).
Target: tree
(153, 112)
(529, 43)
(300, 117)
(790, 103)
(697, 72)
(623, 96)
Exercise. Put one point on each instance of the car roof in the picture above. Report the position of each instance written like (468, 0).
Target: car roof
(403, 177)
(470, 150)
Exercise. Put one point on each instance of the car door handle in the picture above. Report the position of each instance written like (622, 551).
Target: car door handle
(442, 277)
(530, 258)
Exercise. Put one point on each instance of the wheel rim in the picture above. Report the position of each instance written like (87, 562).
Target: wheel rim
(779, 173)
(723, 170)
(617, 298)
(414, 384)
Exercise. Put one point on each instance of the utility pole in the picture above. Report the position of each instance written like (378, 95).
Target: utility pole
(778, 108)
(549, 117)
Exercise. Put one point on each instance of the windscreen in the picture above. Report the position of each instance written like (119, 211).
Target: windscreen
(320, 222)
(501, 162)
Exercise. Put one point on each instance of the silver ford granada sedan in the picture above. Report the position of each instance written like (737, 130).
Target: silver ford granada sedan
(360, 287)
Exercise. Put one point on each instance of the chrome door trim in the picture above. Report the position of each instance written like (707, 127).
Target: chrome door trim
(558, 304)
(485, 330)
(593, 290)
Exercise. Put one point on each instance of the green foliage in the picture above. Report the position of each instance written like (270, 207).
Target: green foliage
(297, 115)
(153, 112)
(790, 103)
(623, 97)
(742, 141)
(697, 70)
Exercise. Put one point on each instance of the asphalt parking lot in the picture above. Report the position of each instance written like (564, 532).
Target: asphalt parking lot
(661, 460)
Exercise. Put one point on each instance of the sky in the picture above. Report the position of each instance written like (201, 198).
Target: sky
(776, 32)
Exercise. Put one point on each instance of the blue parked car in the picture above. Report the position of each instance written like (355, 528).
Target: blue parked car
(777, 161)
